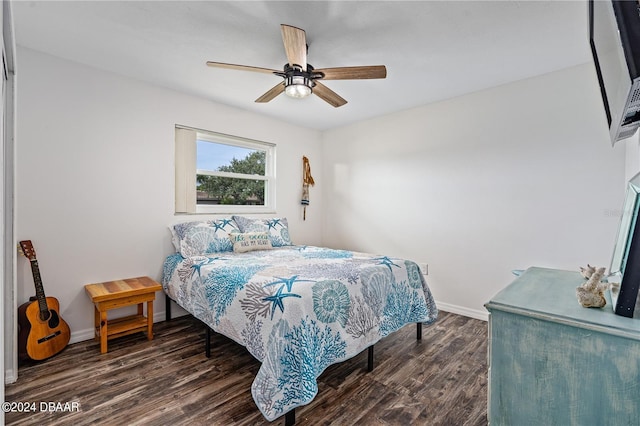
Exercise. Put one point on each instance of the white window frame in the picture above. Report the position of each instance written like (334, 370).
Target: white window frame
(186, 157)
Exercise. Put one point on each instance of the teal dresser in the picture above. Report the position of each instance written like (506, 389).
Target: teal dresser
(553, 362)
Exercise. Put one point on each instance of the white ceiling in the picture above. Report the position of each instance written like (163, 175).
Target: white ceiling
(433, 50)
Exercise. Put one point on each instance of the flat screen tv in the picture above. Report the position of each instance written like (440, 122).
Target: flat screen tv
(614, 36)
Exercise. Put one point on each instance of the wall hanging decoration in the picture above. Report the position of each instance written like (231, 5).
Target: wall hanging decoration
(307, 180)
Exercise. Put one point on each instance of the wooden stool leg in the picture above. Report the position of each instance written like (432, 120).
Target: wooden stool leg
(96, 323)
(103, 332)
(150, 320)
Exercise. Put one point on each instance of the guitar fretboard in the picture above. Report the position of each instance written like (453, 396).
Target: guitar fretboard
(37, 280)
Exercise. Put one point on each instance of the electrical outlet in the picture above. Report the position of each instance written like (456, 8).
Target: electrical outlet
(424, 268)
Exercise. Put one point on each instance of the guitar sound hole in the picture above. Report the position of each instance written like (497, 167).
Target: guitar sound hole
(54, 321)
(45, 315)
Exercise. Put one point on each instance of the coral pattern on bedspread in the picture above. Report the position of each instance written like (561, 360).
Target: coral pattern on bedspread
(299, 309)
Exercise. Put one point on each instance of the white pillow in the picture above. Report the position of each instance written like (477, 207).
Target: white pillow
(276, 227)
(250, 241)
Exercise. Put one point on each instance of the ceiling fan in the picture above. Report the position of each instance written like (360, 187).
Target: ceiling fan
(300, 78)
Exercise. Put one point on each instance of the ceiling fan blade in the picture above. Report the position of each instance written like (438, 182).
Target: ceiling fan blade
(295, 45)
(328, 95)
(240, 67)
(271, 93)
(353, 73)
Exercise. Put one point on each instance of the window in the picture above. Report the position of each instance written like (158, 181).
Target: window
(218, 173)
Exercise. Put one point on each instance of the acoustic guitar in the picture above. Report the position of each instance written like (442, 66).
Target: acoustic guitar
(42, 332)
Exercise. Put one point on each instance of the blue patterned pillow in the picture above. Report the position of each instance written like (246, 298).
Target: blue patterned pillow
(203, 237)
(278, 228)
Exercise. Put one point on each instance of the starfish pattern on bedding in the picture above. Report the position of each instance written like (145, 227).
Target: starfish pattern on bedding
(196, 266)
(288, 282)
(385, 260)
(219, 225)
(272, 223)
(276, 299)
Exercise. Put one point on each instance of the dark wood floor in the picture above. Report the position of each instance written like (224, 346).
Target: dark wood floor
(441, 380)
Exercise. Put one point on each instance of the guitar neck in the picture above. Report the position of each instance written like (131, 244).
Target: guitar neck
(37, 281)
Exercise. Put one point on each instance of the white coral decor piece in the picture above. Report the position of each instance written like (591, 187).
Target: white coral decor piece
(591, 293)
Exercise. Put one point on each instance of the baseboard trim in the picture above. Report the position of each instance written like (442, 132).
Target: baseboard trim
(9, 376)
(461, 310)
(81, 335)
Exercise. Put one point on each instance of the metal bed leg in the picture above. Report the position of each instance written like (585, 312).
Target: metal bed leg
(419, 331)
(290, 417)
(370, 359)
(207, 342)
(167, 309)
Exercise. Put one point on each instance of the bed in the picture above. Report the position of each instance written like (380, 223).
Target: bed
(297, 309)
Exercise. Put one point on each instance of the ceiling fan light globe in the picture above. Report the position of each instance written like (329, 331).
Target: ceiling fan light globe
(297, 91)
(297, 86)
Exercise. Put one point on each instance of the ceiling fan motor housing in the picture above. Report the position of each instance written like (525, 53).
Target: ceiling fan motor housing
(298, 82)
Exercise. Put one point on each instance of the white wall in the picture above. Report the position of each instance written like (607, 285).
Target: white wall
(476, 186)
(517, 176)
(95, 175)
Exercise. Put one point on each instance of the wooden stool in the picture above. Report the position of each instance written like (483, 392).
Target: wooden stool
(118, 294)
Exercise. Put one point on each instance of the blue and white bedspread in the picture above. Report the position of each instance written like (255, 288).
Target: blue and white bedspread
(299, 309)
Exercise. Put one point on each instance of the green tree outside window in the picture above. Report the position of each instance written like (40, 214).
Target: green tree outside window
(236, 191)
